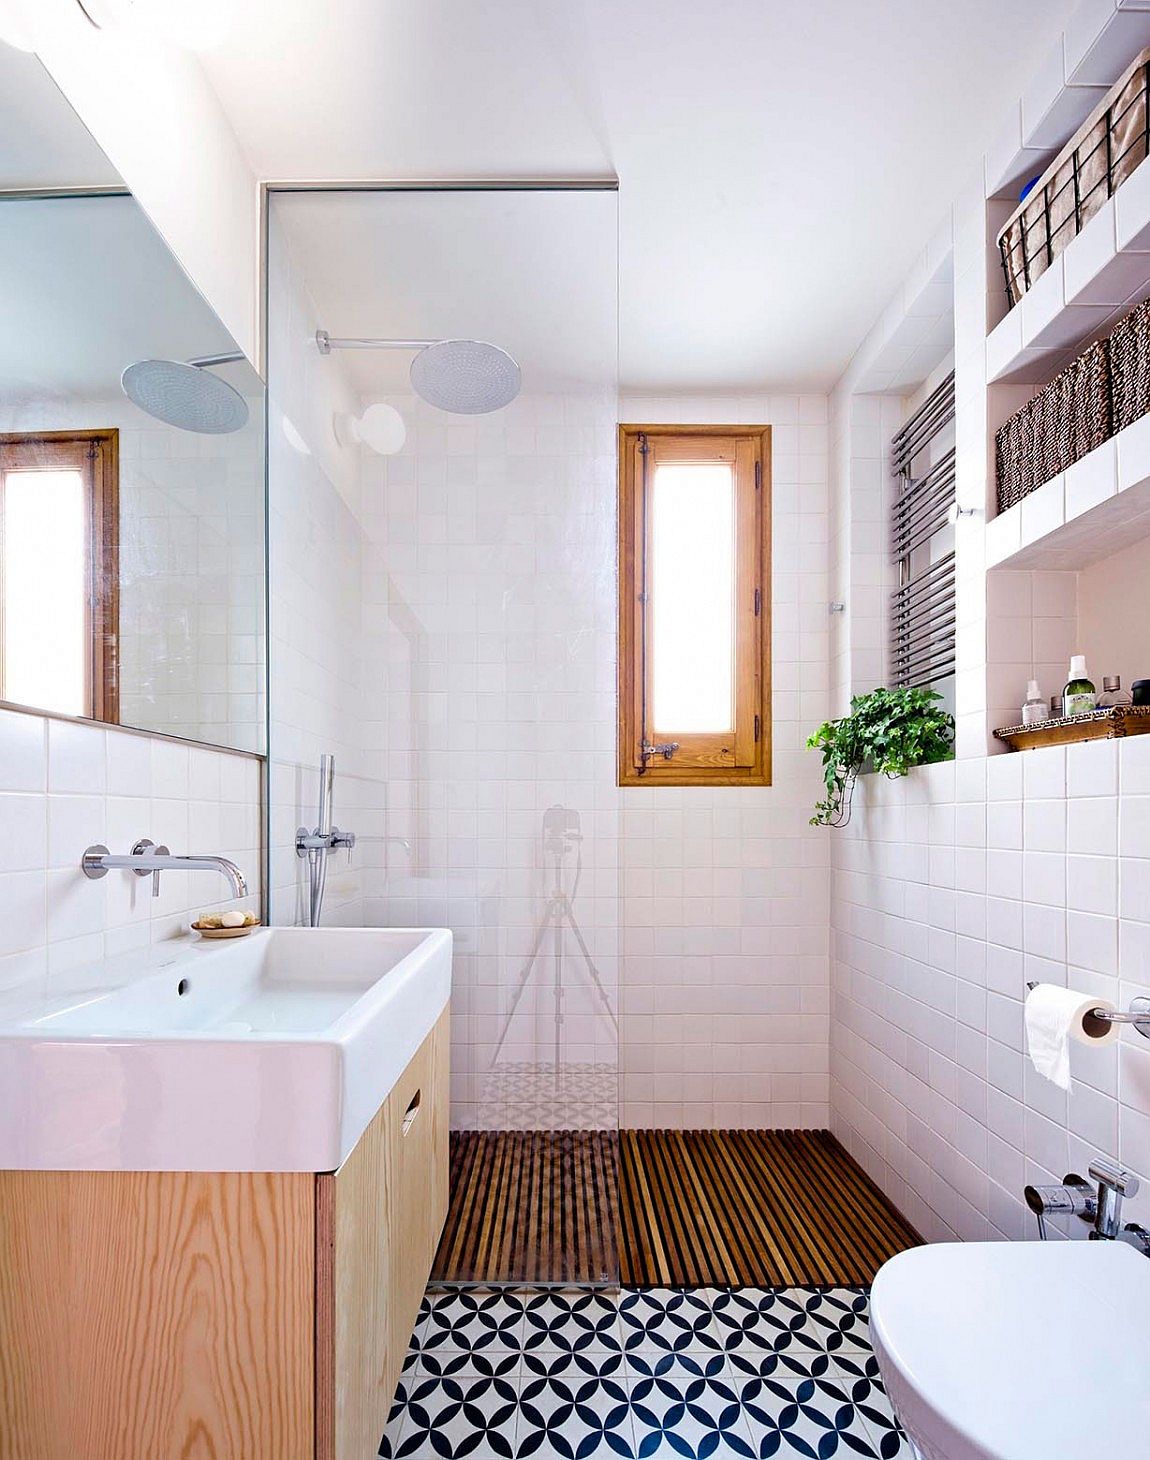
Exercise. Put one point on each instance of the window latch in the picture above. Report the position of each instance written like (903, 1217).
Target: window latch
(666, 749)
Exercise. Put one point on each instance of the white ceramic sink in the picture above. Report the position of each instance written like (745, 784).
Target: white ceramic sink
(266, 1053)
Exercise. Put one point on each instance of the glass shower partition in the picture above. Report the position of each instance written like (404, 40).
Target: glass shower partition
(443, 621)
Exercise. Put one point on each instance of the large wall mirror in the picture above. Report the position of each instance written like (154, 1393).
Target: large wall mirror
(132, 543)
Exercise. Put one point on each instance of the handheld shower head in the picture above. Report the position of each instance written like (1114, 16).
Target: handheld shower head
(186, 394)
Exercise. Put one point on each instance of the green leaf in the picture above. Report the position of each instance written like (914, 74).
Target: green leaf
(889, 731)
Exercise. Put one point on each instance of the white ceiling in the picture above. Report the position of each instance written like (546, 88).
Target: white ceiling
(533, 272)
(780, 164)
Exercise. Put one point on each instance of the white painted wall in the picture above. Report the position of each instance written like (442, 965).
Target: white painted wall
(152, 110)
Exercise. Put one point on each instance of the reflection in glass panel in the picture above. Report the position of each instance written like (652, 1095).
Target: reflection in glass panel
(44, 590)
(692, 578)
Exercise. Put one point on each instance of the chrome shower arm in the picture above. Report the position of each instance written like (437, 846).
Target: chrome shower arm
(202, 362)
(326, 343)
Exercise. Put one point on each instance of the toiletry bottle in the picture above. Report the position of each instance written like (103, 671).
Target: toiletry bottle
(1113, 694)
(1034, 710)
(1078, 697)
(1056, 707)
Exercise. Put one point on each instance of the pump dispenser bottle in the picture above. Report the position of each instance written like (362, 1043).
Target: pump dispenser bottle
(1079, 696)
(1034, 710)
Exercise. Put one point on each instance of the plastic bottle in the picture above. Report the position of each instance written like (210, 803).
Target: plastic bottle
(1113, 694)
(1079, 696)
(1034, 710)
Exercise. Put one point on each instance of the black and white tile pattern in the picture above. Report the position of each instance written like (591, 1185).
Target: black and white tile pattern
(645, 1372)
(539, 1095)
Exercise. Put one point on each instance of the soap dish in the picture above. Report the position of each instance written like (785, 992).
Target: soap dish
(224, 932)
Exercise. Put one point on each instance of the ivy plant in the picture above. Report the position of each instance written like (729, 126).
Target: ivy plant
(888, 730)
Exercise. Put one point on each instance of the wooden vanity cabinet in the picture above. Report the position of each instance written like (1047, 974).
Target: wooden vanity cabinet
(378, 1220)
(222, 1316)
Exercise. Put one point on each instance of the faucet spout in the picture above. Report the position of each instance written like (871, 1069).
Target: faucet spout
(146, 859)
(228, 869)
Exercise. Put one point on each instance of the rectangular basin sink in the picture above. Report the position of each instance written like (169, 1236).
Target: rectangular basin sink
(266, 1053)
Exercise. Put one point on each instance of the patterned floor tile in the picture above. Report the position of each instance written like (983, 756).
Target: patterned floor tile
(569, 1322)
(475, 1320)
(859, 1376)
(588, 1363)
(809, 1417)
(670, 1320)
(755, 1363)
(646, 1372)
(451, 1418)
(575, 1417)
(465, 1363)
(686, 1404)
(795, 1319)
(390, 1442)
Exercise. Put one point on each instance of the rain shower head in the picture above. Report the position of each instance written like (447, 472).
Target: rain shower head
(465, 377)
(468, 377)
(186, 394)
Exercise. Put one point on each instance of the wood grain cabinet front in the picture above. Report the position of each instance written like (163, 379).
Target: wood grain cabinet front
(222, 1316)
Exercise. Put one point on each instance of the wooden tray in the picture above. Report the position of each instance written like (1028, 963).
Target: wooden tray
(1110, 724)
(225, 932)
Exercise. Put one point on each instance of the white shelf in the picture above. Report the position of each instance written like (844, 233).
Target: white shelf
(1096, 279)
(1093, 509)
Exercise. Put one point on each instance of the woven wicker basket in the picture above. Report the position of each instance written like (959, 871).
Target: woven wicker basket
(1098, 158)
(1130, 367)
(1065, 420)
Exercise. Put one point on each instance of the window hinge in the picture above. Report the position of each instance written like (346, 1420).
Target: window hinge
(758, 601)
(757, 728)
(758, 476)
(642, 444)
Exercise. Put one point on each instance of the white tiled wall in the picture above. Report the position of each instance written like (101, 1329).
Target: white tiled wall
(489, 604)
(952, 890)
(956, 886)
(725, 976)
(67, 786)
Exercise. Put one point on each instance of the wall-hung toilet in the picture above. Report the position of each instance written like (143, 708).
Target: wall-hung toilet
(1017, 1350)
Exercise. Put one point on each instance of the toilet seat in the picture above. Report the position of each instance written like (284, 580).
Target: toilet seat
(1016, 1350)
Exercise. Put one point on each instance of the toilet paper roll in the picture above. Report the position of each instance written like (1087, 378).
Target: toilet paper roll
(1055, 1016)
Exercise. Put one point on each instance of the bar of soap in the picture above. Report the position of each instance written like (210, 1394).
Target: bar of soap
(209, 920)
(250, 920)
(233, 920)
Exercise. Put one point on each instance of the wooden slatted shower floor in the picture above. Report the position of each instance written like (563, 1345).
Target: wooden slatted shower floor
(655, 1208)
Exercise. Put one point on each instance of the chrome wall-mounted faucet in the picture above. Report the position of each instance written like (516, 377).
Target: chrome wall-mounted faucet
(1101, 1207)
(148, 860)
(317, 845)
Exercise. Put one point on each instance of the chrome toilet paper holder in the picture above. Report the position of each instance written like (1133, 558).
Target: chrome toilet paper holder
(1137, 1016)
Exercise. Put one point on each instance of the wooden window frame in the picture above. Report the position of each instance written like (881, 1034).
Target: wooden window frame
(747, 761)
(96, 456)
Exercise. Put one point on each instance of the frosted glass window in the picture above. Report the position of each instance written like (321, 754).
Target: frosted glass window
(45, 595)
(692, 580)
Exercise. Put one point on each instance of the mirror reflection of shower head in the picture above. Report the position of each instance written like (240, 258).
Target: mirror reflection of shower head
(186, 394)
(465, 377)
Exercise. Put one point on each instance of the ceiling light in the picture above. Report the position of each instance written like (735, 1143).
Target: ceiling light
(197, 25)
(381, 427)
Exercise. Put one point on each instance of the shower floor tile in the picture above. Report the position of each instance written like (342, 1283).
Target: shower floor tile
(643, 1372)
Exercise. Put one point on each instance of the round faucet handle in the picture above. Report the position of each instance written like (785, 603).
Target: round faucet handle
(1109, 1173)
